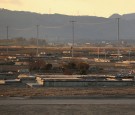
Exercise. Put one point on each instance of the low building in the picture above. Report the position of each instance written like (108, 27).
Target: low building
(23, 71)
(101, 60)
(21, 63)
(80, 81)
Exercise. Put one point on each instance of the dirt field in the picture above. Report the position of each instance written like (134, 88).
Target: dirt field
(67, 110)
(92, 109)
(22, 90)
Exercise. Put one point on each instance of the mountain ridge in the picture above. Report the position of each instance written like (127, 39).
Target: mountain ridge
(57, 27)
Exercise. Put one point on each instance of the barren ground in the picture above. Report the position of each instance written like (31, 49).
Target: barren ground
(10, 90)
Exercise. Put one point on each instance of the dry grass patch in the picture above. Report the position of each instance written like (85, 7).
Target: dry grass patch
(7, 91)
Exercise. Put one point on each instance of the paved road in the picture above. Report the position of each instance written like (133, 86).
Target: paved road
(21, 101)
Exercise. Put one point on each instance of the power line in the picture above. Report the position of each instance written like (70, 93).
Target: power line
(53, 27)
(95, 23)
(23, 29)
(59, 26)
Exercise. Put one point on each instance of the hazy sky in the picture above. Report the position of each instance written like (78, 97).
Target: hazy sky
(103, 8)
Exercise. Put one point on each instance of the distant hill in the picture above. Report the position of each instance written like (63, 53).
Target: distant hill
(129, 16)
(125, 16)
(58, 28)
(115, 16)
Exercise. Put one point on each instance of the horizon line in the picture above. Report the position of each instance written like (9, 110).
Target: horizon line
(64, 14)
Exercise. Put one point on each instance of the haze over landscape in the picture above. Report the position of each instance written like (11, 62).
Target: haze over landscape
(95, 20)
(57, 27)
(102, 8)
(68, 57)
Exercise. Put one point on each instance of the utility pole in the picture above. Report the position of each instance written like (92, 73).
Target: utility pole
(98, 53)
(129, 55)
(7, 38)
(105, 54)
(73, 37)
(37, 38)
(7, 32)
(118, 35)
